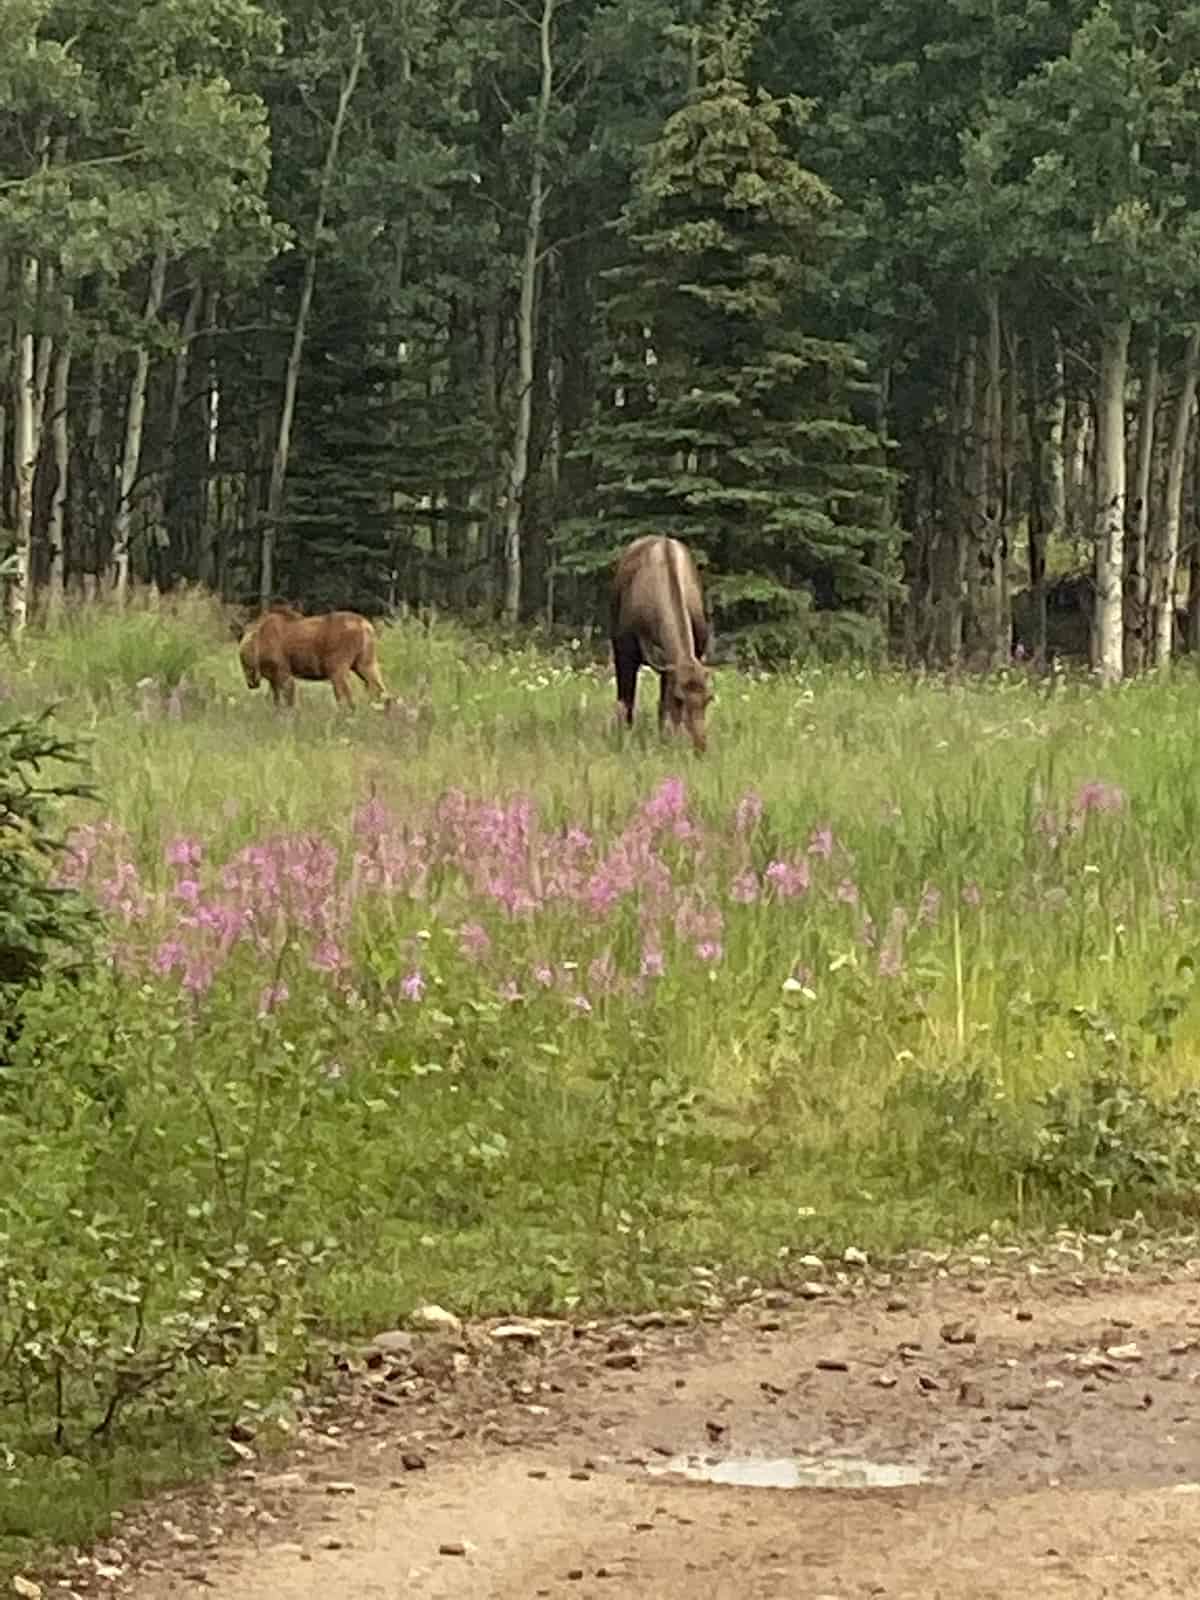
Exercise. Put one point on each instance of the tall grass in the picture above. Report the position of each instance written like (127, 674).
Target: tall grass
(476, 999)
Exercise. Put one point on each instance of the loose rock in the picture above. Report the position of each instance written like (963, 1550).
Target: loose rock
(436, 1318)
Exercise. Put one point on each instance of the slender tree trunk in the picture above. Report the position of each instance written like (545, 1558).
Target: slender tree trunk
(56, 572)
(1110, 501)
(1046, 480)
(1008, 519)
(976, 482)
(1137, 622)
(172, 555)
(283, 441)
(527, 324)
(206, 556)
(25, 454)
(1164, 631)
(950, 544)
(8, 343)
(135, 419)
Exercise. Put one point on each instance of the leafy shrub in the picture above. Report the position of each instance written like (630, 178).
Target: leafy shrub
(1106, 1139)
(40, 923)
(109, 653)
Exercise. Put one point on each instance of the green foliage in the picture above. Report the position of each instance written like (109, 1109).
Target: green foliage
(41, 926)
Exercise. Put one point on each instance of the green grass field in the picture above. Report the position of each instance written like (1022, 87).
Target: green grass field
(476, 1001)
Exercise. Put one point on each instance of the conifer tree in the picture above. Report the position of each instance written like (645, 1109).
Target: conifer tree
(730, 423)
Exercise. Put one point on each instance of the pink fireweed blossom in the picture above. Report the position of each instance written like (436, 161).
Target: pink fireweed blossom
(697, 921)
(710, 951)
(972, 894)
(510, 992)
(413, 986)
(582, 1004)
(1100, 797)
(272, 997)
(188, 890)
(169, 955)
(744, 888)
(327, 957)
(821, 843)
(787, 879)
(652, 964)
(602, 974)
(473, 940)
(891, 953)
(847, 892)
(543, 975)
(184, 853)
(749, 812)
(667, 804)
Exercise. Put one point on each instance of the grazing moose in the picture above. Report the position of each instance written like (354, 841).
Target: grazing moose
(658, 621)
(282, 646)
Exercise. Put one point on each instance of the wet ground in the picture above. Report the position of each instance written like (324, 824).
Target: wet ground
(998, 1439)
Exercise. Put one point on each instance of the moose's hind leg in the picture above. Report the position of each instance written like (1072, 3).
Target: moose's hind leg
(627, 658)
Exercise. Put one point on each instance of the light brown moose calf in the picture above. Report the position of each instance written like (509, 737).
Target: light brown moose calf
(282, 645)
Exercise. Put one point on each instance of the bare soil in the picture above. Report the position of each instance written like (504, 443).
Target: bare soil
(1056, 1426)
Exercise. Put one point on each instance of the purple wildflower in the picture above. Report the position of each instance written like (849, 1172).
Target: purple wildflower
(744, 888)
(788, 878)
(749, 812)
(413, 987)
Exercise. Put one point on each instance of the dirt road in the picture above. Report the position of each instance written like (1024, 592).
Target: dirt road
(999, 1439)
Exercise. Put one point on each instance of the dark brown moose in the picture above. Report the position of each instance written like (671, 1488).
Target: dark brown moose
(282, 645)
(658, 621)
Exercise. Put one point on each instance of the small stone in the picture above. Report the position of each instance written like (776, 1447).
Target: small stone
(329, 1542)
(776, 1300)
(832, 1364)
(1124, 1352)
(813, 1291)
(242, 1432)
(885, 1380)
(436, 1318)
(896, 1303)
(411, 1461)
(452, 1547)
(1023, 1315)
(1017, 1403)
(26, 1589)
(928, 1382)
(537, 1472)
(622, 1360)
(970, 1394)
(958, 1333)
(854, 1257)
(580, 1475)
(516, 1333)
(575, 1574)
(395, 1342)
(340, 1487)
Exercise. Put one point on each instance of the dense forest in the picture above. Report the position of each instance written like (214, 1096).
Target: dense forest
(890, 309)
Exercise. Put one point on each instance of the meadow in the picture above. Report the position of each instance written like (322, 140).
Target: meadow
(475, 1000)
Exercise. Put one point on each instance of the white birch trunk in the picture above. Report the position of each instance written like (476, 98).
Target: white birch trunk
(135, 420)
(25, 454)
(1164, 630)
(56, 574)
(1110, 502)
(527, 324)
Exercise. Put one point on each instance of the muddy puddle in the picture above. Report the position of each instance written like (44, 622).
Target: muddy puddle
(793, 1472)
